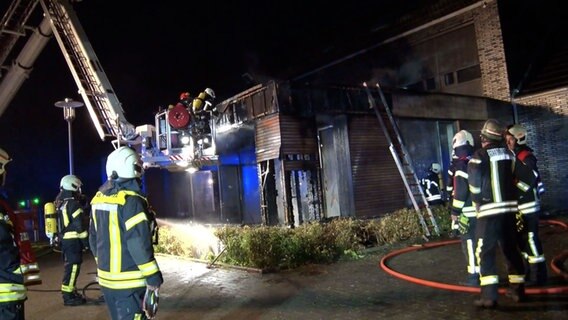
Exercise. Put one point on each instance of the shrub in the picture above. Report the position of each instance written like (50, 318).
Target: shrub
(278, 247)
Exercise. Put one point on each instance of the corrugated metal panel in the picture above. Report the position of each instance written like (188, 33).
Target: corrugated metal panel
(377, 185)
(302, 165)
(277, 134)
(267, 138)
(298, 135)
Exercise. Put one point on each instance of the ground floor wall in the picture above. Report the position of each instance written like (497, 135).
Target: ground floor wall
(546, 118)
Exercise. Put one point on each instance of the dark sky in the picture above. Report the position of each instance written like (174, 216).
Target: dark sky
(153, 50)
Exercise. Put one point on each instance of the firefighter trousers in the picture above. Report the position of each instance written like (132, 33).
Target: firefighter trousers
(495, 231)
(13, 310)
(531, 247)
(72, 250)
(125, 304)
(468, 245)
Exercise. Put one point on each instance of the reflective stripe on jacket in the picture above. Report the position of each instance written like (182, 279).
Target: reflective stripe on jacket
(73, 223)
(121, 240)
(491, 180)
(11, 276)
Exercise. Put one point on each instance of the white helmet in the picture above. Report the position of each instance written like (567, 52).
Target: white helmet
(70, 183)
(435, 167)
(519, 133)
(4, 159)
(210, 92)
(124, 163)
(462, 138)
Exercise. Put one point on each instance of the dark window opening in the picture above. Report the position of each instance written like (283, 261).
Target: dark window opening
(417, 86)
(469, 74)
(431, 84)
(449, 79)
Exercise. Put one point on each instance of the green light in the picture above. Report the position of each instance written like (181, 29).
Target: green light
(35, 200)
(22, 203)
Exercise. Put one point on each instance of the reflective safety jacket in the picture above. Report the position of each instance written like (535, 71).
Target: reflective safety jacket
(492, 180)
(461, 197)
(431, 187)
(28, 262)
(72, 222)
(120, 237)
(11, 278)
(528, 183)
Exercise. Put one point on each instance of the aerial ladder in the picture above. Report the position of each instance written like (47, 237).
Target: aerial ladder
(156, 142)
(60, 20)
(94, 87)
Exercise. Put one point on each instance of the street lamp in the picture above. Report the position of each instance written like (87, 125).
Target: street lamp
(69, 106)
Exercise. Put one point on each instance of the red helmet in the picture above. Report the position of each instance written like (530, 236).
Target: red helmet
(184, 96)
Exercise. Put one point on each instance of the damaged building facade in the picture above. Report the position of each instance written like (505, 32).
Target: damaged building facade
(311, 148)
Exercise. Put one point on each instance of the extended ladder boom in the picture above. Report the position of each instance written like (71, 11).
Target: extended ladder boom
(100, 99)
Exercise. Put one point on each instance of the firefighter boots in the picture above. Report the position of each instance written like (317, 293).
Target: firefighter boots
(516, 293)
(485, 303)
(73, 299)
(472, 280)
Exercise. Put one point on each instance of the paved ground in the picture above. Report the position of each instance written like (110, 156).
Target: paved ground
(358, 289)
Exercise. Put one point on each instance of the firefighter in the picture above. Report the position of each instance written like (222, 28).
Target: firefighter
(203, 109)
(462, 210)
(204, 101)
(529, 204)
(73, 237)
(431, 185)
(120, 238)
(12, 289)
(491, 180)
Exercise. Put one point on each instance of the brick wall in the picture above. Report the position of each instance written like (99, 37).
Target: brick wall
(491, 52)
(546, 118)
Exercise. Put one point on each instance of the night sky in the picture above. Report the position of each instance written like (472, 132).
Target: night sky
(153, 50)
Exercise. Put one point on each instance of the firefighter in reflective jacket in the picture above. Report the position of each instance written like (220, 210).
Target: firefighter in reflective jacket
(462, 210)
(491, 174)
(431, 185)
(120, 239)
(12, 289)
(73, 234)
(530, 188)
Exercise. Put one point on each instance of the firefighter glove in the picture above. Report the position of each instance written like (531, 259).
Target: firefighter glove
(455, 228)
(463, 222)
(85, 244)
(519, 222)
(56, 242)
(150, 301)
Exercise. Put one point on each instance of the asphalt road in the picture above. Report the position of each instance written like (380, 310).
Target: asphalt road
(357, 289)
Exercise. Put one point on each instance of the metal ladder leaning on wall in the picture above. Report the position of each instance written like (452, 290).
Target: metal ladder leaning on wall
(403, 162)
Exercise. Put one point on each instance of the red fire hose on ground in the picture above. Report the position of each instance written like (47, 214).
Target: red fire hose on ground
(556, 265)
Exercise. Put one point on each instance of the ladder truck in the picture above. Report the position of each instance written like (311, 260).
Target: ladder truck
(181, 136)
(162, 144)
